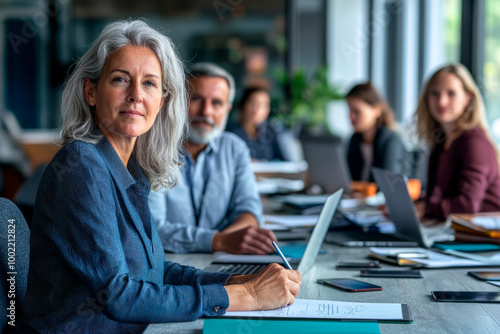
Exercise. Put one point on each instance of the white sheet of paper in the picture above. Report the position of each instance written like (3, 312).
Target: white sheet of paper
(493, 259)
(489, 223)
(275, 227)
(299, 199)
(267, 188)
(349, 203)
(273, 185)
(366, 217)
(278, 166)
(291, 220)
(435, 260)
(376, 200)
(386, 227)
(328, 309)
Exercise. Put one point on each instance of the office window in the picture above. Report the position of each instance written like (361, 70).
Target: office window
(24, 64)
(452, 10)
(491, 70)
(22, 74)
(246, 37)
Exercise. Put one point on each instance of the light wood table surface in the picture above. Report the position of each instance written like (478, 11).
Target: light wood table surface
(428, 316)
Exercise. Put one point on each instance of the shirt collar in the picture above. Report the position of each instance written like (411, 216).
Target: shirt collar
(118, 170)
(212, 146)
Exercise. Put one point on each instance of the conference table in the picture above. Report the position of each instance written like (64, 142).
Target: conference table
(428, 315)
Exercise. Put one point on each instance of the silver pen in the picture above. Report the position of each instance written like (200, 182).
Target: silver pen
(287, 265)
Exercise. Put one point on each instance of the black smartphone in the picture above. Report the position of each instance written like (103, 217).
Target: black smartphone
(486, 275)
(467, 296)
(357, 265)
(391, 273)
(349, 284)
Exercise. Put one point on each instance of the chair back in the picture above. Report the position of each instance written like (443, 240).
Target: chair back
(14, 258)
(26, 196)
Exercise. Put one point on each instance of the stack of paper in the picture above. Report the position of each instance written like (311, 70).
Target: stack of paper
(278, 185)
(365, 217)
(303, 204)
(480, 228)
(291, 221)
(421, 257)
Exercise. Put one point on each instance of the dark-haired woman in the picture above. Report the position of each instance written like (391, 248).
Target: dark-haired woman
(265, 139)
(374, 142)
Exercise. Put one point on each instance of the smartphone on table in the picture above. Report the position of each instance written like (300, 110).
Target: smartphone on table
(355, 265)
(486, 275)
(467, 296)
(349, 284)
(391, 273)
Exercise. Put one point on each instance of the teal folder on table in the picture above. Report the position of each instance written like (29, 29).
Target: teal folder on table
(296, 250)
(468, 247)
(288, 326)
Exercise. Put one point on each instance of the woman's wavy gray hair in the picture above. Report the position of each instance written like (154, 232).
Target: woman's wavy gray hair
(158, 150)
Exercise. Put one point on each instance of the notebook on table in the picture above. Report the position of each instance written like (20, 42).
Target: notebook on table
(249, 264)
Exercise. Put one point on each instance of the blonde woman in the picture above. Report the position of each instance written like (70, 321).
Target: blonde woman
(463, 172)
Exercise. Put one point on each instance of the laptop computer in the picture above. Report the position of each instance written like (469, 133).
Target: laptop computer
(327, 163)
(246, 264)
(402, 212)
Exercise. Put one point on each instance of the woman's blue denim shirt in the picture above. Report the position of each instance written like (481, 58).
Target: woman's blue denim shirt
(96, 261)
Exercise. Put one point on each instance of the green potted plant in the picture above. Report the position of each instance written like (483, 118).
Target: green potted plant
(309, 96)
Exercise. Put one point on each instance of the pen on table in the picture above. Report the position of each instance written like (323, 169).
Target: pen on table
(287, 265)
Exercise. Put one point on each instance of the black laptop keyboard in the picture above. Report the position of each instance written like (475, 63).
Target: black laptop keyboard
(243, 269)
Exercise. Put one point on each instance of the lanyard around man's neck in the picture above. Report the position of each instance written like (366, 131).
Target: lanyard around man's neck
(206, 175)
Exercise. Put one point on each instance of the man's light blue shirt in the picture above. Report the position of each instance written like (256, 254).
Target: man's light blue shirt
(231, 190)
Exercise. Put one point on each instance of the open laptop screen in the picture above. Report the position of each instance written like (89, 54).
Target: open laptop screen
(319, 232)
(327, 164)
(310, 254)
(399, 203)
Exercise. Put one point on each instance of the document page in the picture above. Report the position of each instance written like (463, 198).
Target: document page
(291, 220)
(434, 259)
(326, 309)
(278, 166)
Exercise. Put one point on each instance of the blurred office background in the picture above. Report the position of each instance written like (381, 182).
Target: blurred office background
(394, 43)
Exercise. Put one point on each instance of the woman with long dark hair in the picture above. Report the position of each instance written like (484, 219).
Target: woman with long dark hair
(374, 142)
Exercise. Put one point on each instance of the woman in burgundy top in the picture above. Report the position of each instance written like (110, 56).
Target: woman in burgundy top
(463, 172)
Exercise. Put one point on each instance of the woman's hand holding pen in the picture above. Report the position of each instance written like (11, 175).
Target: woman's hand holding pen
(272, 288)
(275, 287)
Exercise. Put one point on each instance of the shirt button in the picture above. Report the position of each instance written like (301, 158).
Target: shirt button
(216, 309)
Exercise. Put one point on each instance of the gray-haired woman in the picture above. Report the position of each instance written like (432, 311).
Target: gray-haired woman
(96, 261)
